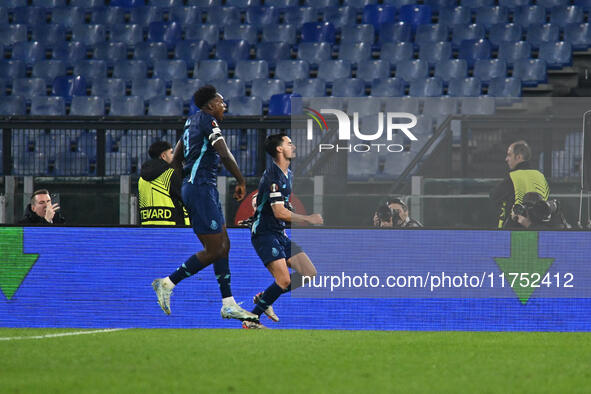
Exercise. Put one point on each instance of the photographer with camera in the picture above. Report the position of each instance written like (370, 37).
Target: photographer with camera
(394, 213)
(535, 213)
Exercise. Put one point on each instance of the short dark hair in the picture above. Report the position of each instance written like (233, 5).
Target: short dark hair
(36, 193)
(396, 200)
(203, 95)
(272, 142)
(157, 148)
(523, 149)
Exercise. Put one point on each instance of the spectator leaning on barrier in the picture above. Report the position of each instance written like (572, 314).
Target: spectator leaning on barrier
(159, 189)
(521, 179)
(41, 210)
(394, 213)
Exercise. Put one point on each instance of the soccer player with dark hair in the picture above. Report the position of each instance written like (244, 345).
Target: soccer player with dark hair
(199, 151)
(268, 229)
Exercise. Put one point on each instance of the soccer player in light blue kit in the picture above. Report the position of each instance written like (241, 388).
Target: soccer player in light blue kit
(268, 237)
(201, 149)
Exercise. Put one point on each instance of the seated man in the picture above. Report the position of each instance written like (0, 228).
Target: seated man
(41, 210)
(394, 213)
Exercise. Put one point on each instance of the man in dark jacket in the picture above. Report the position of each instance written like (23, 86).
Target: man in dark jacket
(41, 210)
(160, 189)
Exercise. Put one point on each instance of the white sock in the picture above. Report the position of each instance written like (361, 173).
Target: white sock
(168, 283)
(228, 301)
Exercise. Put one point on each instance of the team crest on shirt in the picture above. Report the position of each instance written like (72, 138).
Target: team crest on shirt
(274, 187)
(214, 123)
(213, 225)
(275, 252)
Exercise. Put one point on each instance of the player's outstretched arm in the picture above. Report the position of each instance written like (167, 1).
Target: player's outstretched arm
(229, 162)
(282, 213)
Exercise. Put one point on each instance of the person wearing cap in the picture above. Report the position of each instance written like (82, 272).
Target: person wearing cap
(159, 189)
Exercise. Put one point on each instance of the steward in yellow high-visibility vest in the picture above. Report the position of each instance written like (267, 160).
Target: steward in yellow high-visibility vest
(159, 189)
(520, 180)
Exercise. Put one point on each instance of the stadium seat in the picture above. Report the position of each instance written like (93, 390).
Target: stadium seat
(348, 87)
(318, 32)
(280, 33)
(556, 54)
(532, 15)
(289, 70)
(13, 105)
(264, 88)
(247, 70)
(12, 69)
(513, 51)
(355, 52)
(280, 104)
(191, 51)
(282, 3)
(373, 69)
(409, 70)
(29, 87)
(148, 88)
(273, 52)
(429, 87)
(3, 86)
(93, 3)
(375, 15)
(245, 106)
(464, 87)
(563, 16)
(29, 15)
(505, 87)
(262, 16)
(49, 3)
(297, 16)
(108, 87)
(110, 52)
(585, 4)
(363, 107)
(207, 33)
(170, 69)
(322, 3)
(431, 33)
(91, 69)
(107, 15)
(395, 32)
(472, 50)
(165, 106)
(145, 15)
(208, 70)
(578, 35)
(230, 88)
(50, 106)
(9, 34)
(357, 33)
(232, 51)
(243, 3)
(530, 71)
(185, 88)
(149, 52)
(117, 163)
(67, 16)
(469, 32)
(490, 16)
(402, 104)
(241, 32)
(387, 87)
(415, 14)
(130, 69)
(127, 106)
(487, 69)
(166, 3)
(185, 16)
(69, 52)
(331, 70)
(435, 52)
(451, 16)
(397, 52)
(29, 52)
(539, 34)
(48, 35)
(314, 52)
(69, 86)
(169, 33)
(87, 106)
(509, 32)
(514, 3)
(31, 163)
(3, 21)
(473, 4)
(223, 16)
(310, 87)
(71, 163)
(89, 34)
(362, 165)
(128, 34)
(205, 3)
(440, 106)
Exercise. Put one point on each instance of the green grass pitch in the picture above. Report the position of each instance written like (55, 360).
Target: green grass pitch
(294, 361)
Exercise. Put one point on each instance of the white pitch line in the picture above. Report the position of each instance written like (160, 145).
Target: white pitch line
(61, 334)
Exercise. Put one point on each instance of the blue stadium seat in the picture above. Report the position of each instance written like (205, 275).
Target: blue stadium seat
(71, 164)
(185, 88)
(12, 69)
(51, 106)
(487, 69)
(69, 86)
(223, 16)
(3, 86)
(128, 34)
(31, 163)
(117, 163)
(107, 15)
(373, 69)
(429, 87)
(556, 54)
(280, 104)
(143, 16)
(360, 3)
(186, 16)
(247, 70)
(166, 3)
(314, 52)
(122, 3)
(241, 32)
(273, 52)
(513, 51)
(28, 51)
(387, 87)
(130, 69)
(67, 16)
(262, 16)
(150, 52)
(148, 88)
(87, 106)
(108, 87)
(585, 4)
(469, 32)
(409, 70)
(451, 16)
(530, 71)
(3, 20)
(191, 51)
(91, 69)
(89, 34)
(490, 16)
(29, 15)
(29, 87)
(509, 32)
(310, 87)
(397, 52)
(539, 34)
(395, 32)
(289, 70)
(431, 33)
(472, 50)
(9, 34)
(49, 3)
(208, 33)
(578, 35)
(208, 70)
(205, 3)
(232, 51)
(282, 3)
(297, 16)
(318, 32)
(505, 87)
(230, 88)
(14, 3)
(464, 87)
(355, 52)
(280, 33)
(415, 14)
(339, 17)
(331, 70)
(377, 14)
(70, 52)
(245, 106)
(435, 52)
(170, 69)
(165, 106)
(514, 3)
(440, 106)
(563, 16)
(243, 3)
(127, 106)
(264, 88)
(110, 52)
(473, 4)
(48, 34)
(436, 5)
(169, 33)
(357, 33)
(348, 87)
(13, 105)
(322, 3)
(94, 3)
(530, 16)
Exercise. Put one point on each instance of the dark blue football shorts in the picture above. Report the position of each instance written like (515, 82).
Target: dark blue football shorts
(274, 246)
(204, 208)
